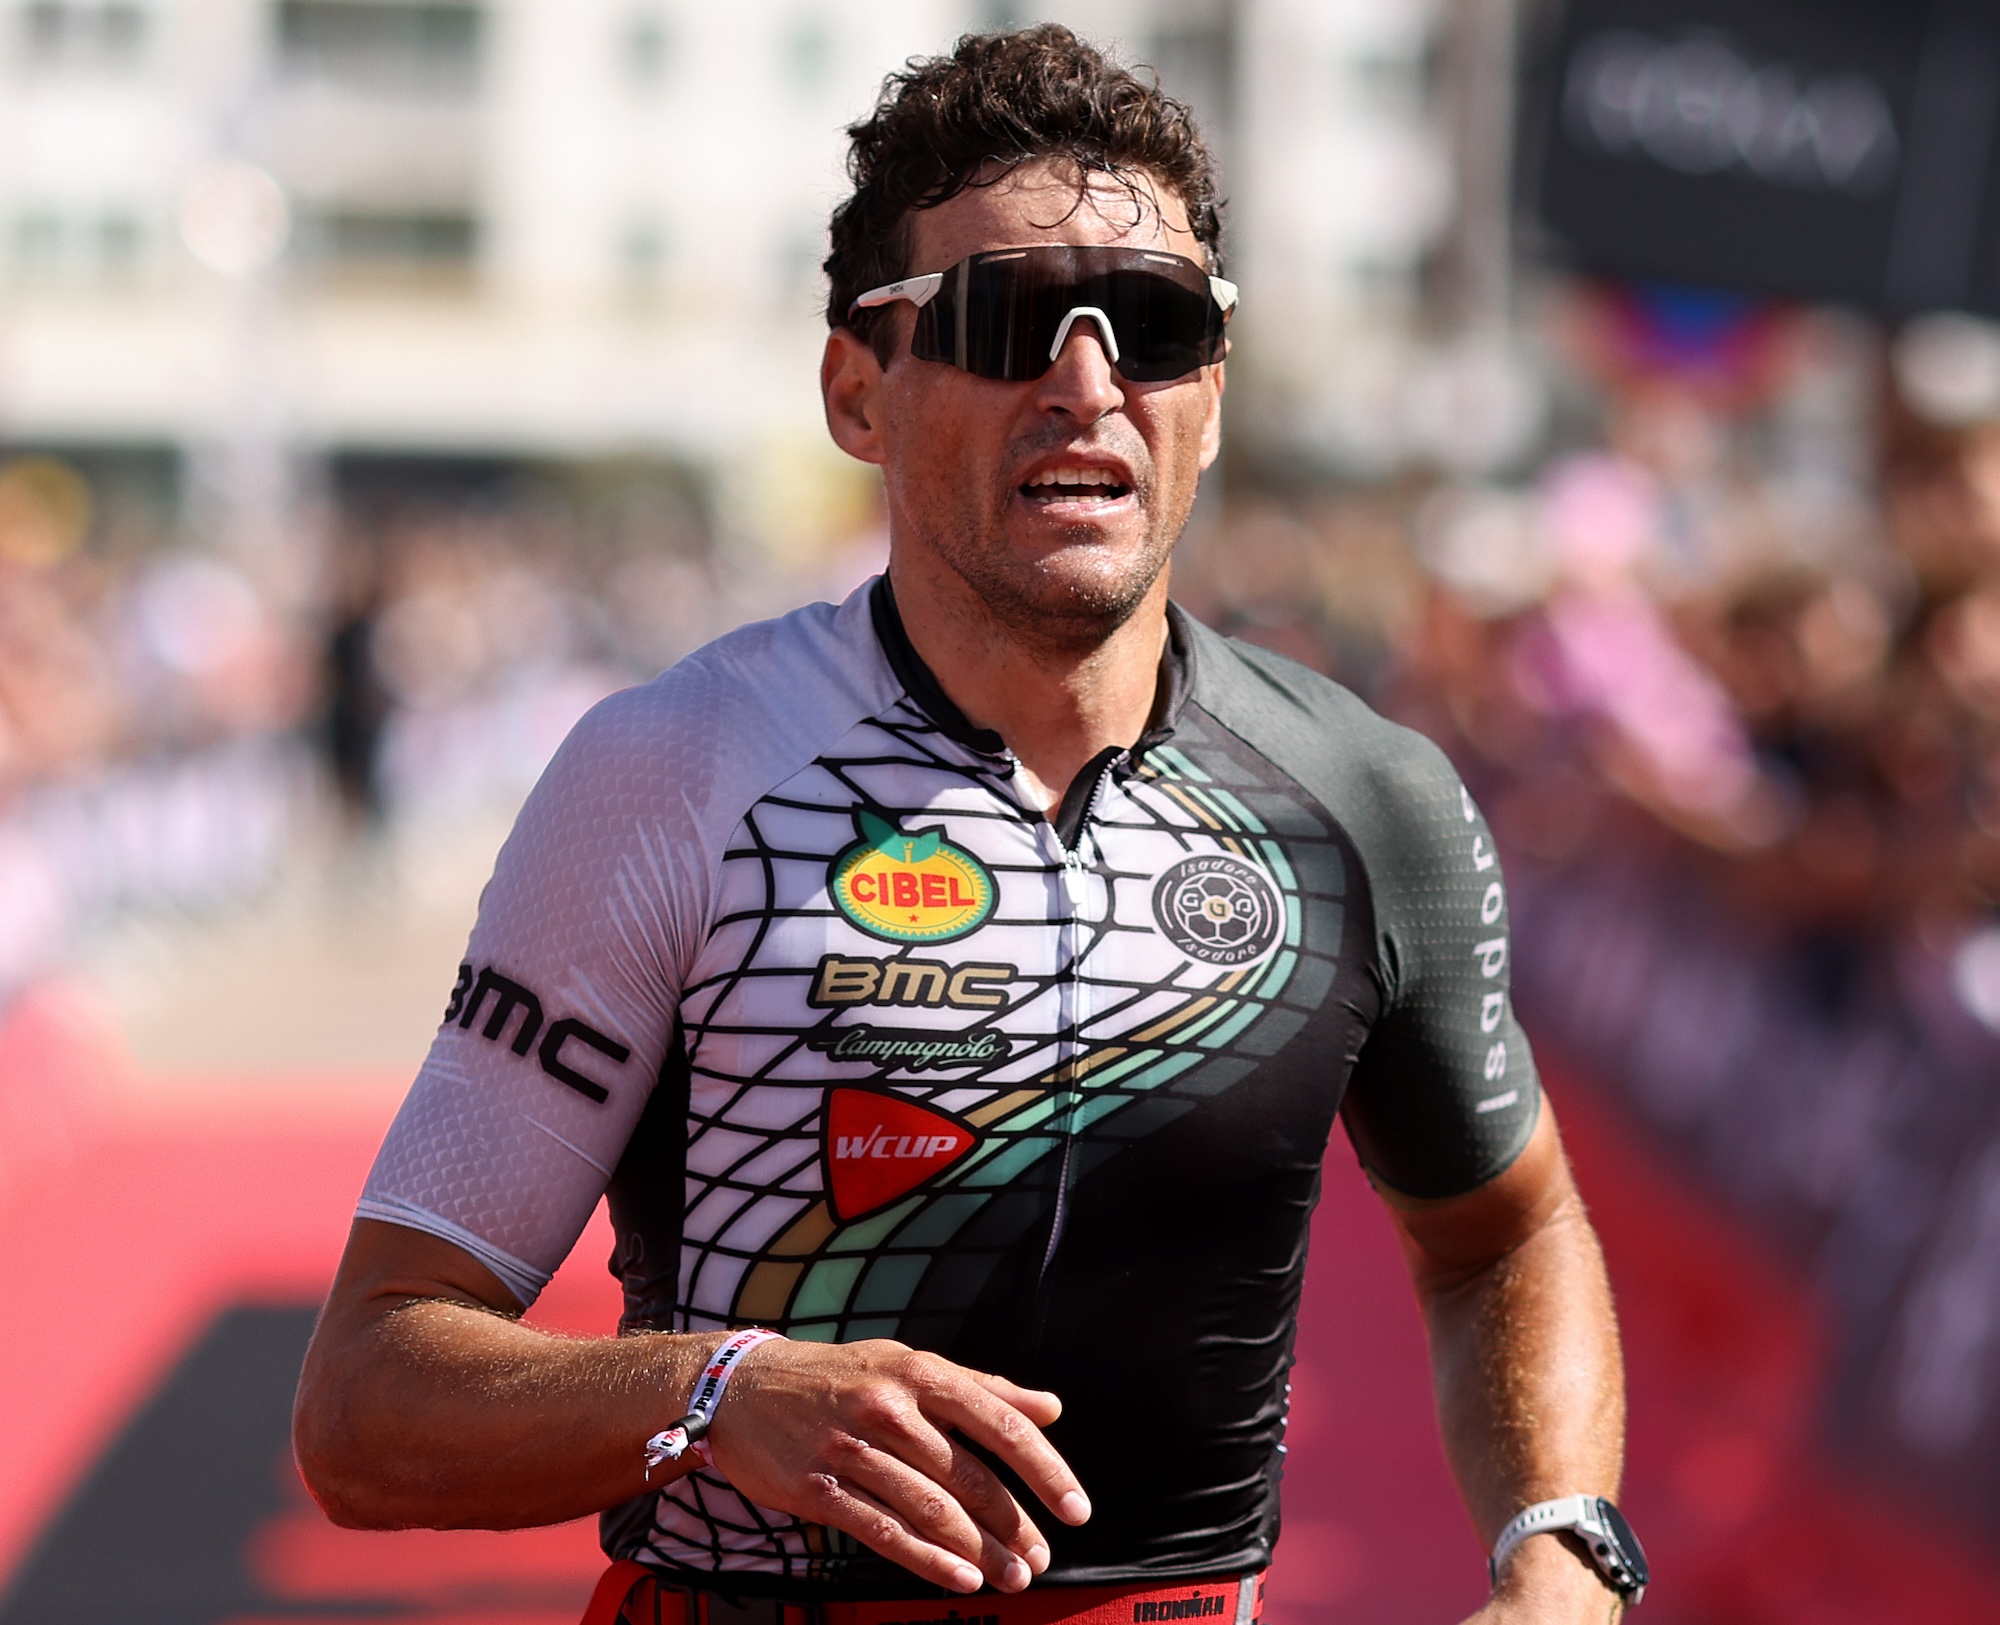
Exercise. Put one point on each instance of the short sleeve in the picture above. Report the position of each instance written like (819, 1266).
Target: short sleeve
(1444, 1094)
(562, 1010)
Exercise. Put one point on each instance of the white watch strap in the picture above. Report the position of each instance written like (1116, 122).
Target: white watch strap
(1571, 1512)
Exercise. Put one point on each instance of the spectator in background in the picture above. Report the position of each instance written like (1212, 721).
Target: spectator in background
(357, 704)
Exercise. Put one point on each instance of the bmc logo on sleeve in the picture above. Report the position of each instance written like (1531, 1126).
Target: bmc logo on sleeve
(880, 1147)
(563, 1041)
(909, 888)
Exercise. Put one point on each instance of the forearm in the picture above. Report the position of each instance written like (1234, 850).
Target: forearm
(445, 1415)
(426, 1402)
(1524, 1352)
(1529, 1377)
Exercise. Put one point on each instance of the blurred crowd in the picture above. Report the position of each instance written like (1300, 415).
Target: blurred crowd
(1746, 620)
(126, 648)
(177, 721)
(1724, 669)
(1782, 681)
(1723, 666)
(145, 694)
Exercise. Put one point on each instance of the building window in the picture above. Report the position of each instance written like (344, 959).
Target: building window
(121, 32)
(1195, 56)
(808, 52)
(422, 243)
(647, 50)
(46, 26)
(83, 34)
(425, 50)
(642, 255)
(120, 242)
(53, 244)
(38, 241)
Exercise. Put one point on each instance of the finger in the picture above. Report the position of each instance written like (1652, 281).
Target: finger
(839, 1506)
(934, 1512)
(994, 1508)
(910, 1436)
(1038, 1405)
(952, 1397)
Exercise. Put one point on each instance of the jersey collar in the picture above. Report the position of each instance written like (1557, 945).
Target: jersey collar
(921, 684)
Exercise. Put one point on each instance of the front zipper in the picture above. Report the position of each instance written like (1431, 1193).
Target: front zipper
(1069, 1005)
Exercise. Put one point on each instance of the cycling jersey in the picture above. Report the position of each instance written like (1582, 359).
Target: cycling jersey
(783, 956)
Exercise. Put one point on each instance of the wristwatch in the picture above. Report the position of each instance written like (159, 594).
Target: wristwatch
(1606, 1536)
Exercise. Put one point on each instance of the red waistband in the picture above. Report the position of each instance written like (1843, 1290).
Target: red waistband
(631, 1594)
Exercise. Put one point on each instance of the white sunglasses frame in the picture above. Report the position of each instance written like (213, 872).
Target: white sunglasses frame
(921, 290)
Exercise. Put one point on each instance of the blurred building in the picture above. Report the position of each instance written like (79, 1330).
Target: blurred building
(401, 375)
(539, 230)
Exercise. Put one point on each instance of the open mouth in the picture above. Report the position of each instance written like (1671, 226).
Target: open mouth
(1055, 485)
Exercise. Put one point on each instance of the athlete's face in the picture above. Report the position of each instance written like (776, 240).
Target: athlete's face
(1055, 500)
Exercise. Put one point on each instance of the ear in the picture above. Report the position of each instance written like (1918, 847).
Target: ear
(850, 386)
(1211, 429)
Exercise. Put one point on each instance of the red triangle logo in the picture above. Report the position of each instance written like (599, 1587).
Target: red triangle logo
(880, 1146)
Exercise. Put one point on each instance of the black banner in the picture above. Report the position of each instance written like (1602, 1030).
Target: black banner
(1835, 150)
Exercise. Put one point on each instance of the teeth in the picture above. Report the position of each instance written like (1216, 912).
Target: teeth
(1076, 476)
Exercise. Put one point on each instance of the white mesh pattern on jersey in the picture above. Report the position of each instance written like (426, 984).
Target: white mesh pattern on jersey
(599, 902)
(1109, 982)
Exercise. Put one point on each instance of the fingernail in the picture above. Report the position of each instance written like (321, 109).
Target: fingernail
(1015, 1576)
(1074, 1507)
(1038, 1558)
(967, 1578)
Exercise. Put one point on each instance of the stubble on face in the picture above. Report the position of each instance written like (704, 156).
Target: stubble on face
(1061, 587)
(1076, 593)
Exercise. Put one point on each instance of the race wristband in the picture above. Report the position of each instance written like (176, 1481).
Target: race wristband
(674, 1441)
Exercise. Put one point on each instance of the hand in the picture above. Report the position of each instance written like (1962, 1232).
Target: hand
(857, 1436)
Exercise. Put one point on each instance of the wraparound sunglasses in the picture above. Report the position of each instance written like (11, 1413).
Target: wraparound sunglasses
(1007, 313)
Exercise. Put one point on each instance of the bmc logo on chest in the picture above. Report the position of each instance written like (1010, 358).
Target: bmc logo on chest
(838, 982)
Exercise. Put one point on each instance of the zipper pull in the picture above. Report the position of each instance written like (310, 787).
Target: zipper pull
(1075, 873)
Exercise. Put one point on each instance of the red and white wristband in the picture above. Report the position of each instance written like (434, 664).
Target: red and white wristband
(674, 1441)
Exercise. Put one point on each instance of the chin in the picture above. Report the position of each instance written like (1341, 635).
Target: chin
(1079, 590)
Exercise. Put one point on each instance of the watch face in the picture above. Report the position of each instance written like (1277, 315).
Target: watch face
(1625, 1563)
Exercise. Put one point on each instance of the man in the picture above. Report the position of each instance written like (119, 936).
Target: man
(963, 982)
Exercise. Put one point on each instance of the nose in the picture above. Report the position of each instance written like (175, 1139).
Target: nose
(1080, 382)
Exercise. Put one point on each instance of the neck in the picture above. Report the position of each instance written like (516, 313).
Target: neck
(1056, 704)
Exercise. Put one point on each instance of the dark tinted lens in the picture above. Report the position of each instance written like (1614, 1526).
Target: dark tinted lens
(1010, 316)
(997, 314)
(1165, 329)
(986, 317)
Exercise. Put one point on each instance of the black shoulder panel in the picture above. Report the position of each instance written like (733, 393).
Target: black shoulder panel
(1444, 1094)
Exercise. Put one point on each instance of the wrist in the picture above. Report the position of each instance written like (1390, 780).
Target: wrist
(1550, 1577)
(687, 1435)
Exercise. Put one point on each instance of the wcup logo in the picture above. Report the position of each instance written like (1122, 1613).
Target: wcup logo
(879, 1147)
(1218, 909)
(909, 888)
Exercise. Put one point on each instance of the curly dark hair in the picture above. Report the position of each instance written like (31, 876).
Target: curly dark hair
(947, 123)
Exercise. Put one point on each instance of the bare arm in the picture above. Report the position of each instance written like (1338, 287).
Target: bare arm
(1524, 1352)
(426, 1402)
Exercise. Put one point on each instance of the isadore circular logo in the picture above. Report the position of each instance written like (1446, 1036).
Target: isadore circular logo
(1218, 909)
(909, 887)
